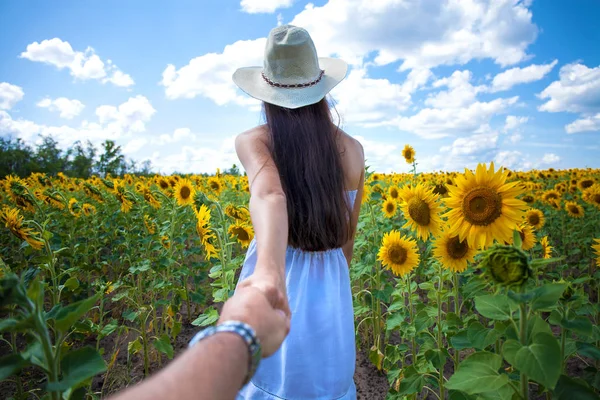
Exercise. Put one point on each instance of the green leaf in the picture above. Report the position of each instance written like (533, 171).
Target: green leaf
(437, 357)
(394, 321)
(480, 336)
(66, 316)
(11, 364)
(494, 306)
(517, 241)
(569, 389)
(77, 367)
(461, 340)
(547, 296)
(588, 350)
(412, 382)
(134, 346)
(581, 325)
(456, 395)
(14, 325)
(163, 344)
(209, 317)
(478, 374)
(540, 262)
(376, 357)
(72, 283)
(540, 360)
(535, 325)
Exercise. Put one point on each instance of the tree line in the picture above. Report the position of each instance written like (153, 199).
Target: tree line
(80, 160)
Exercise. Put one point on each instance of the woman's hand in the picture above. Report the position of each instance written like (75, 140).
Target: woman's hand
(272, 284)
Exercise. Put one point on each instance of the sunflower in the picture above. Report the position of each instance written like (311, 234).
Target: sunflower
(389, 208)
(163, 183)
(184, 192)
(74, 207)
(409, 154)
(592, 196)
(165, 241)
(215, 185)
(535, 218)
(573, 209)
(237, 213)
(150, 225)
(528, 199)
(124, 197)
(546, 248)
(243, 233)
(483, 207)
(453, 253)
(88, 209)
(586, 183)
(550, 195)
(596, 248)
(375, 177)
(13, 220)
(440, 189)
(205, 231)
(398, 254)
(394, 193)
(422, 212)
(528, 238)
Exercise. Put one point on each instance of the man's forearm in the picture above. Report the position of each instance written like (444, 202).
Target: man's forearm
(214, 368)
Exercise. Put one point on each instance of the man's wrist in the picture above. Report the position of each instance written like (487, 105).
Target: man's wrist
(234, 343)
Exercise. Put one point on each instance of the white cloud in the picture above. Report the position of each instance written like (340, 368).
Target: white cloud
(587, 124)
(198, 159)
(474, 144)
(264, 6)
(515, 138)
(178, 135)
(550, 158)
(434, 123)
(130, 116)
(134, 145)
(67, 108)
(114, 123)
(511, 160)
(82, 64)
(210, 75)
(363, 99)
(423, 34)
(9, 95)
(577, 90)
(515, 76)
(460, 92)
(512, 122)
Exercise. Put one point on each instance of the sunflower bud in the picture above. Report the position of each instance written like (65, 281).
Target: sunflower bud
(567, 294)
(506, 265)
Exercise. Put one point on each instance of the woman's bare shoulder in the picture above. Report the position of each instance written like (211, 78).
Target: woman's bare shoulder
(352, 148)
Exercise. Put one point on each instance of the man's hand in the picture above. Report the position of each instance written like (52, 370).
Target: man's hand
(272, 285)
(258, 309)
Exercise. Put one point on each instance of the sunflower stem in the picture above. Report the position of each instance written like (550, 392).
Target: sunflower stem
(523, 337)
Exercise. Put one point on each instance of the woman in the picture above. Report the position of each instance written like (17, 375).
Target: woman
(305, 177)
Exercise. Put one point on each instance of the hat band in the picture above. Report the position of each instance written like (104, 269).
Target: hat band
(294, 85)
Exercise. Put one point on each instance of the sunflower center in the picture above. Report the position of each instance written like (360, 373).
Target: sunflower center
(397, 254)
(164, 184)
(534, 219)
(408, 154)
(482, 206)
(419, 211)
(389, 207)
(457, 249)
(440, 189)
(522, 234)
(185, 192)
(394, 193)
(528, 199)
(241, 234)
(214, 185)
(596, 198)
(586, 183)
(574, 209)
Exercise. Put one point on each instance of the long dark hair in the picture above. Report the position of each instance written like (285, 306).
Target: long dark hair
(304, 148)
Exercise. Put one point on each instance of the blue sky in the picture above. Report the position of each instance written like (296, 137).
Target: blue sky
(516, 82)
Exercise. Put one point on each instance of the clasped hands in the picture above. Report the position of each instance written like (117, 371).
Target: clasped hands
(261, 302)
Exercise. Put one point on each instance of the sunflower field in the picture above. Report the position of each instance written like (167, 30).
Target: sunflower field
(474, 285)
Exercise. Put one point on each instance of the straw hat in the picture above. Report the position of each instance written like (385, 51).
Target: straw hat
(292, 76)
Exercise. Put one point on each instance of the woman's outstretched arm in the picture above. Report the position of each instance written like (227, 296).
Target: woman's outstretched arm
(268, 211)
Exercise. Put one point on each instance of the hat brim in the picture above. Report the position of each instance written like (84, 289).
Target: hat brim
(250, 80)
